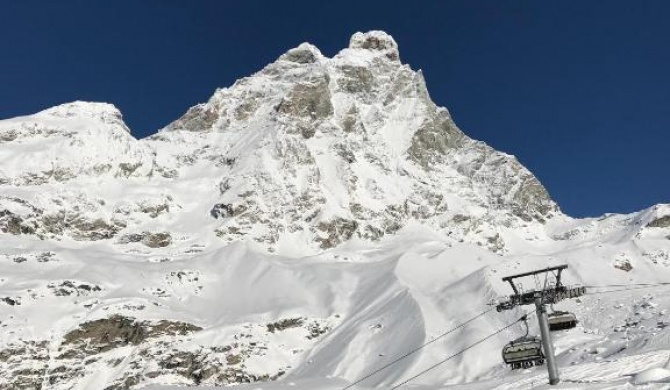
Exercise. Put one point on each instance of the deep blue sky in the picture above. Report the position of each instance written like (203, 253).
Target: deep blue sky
(579, 91)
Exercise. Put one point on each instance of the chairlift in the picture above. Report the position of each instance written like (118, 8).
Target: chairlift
(561, 320)
(524, 352)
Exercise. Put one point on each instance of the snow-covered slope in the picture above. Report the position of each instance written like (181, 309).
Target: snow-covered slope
(317, 219)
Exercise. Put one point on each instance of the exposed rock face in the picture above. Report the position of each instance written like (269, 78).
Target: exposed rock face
(151, 240)
(72, 288)
(355, 79)
(108, 333)
(197, 118)
(20, 217)
(150, 350)
(80, 228)
(660, 222)
(309, 100)
(376, 40)
(25, 376)
(157, 240)
(623, 265)
(336, 231)
(303, 54)
(436, 137)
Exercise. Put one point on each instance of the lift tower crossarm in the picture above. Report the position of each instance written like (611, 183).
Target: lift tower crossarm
(559, 268)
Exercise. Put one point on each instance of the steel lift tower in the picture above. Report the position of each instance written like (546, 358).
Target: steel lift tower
(553, 291)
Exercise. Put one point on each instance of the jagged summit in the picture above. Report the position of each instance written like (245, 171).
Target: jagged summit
(305, 53)
(376, 41)
(354, 70)
(359, 135)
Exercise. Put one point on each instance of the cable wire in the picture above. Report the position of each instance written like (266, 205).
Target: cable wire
(622, 289)
(418, 348)
(625, 287)
(629, 285)
(458, 353)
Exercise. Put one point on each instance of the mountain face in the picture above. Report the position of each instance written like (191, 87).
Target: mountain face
(357, 139)
(298, 216)
(345, 147)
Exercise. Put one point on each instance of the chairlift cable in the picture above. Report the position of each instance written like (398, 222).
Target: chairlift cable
(417, 349)
(634, 287)
(459, 352)
(628, 285)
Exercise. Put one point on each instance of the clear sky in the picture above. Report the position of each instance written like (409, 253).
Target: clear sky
(579, 90)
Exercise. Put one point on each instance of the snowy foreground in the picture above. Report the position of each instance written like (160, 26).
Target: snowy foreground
(304, 227)
(372, 303)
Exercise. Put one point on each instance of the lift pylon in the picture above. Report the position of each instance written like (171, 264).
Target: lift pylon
(550, 293)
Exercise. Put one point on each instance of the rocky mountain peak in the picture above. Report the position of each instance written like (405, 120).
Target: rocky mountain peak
(376, 41)
(305, 53)
(358, 140)
(344, 147)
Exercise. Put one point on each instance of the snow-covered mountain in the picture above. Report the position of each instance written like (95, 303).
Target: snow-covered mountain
(316, 219)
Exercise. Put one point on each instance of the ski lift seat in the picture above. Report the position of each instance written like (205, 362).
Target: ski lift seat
(560, 320)
(523, 352)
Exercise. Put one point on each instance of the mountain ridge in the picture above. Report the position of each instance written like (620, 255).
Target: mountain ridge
(322, 117)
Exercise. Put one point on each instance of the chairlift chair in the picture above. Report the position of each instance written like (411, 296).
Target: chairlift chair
(524, 352)
(560, 320)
